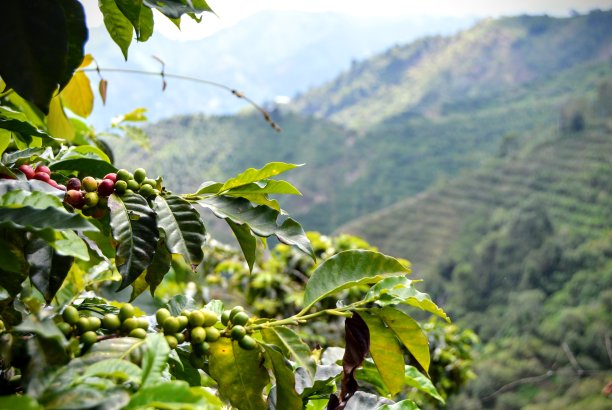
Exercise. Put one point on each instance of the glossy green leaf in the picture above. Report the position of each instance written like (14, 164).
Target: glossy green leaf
(36, 187)
(42, 220)
(209, 187)
(159, 267)
(174, 9)
(181, 367)
(396, 290)
(25, 130)
(174, 395)
(246, 240)
(67, 243)
(5, 139)
(36, 199)
(400, 405)
(292, 233)
(419, 381)
(131, 9)
(134, 227)
(386, 352)
(286, 396)
(146, 23)
(123, 370)
(409, 333)
(369, 373)
(14, 402)
(292, 347)
(154, 359)
(48, 269)
(259, 199)
(117, 25)
(347, 269)
(88, 160)
(253, 175)
(185, 233)
(239, 373)
(267, 186)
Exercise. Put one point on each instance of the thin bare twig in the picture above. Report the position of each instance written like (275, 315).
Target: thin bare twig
(572, 359)
(512, 385)
(164, 75)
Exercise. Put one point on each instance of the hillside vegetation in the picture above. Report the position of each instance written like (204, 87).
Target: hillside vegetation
(356, 170)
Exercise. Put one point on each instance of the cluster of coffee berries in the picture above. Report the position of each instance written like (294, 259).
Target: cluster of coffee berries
(89, 194)
(196, 327)
(235, 320)
(128, 183)
(41, 173)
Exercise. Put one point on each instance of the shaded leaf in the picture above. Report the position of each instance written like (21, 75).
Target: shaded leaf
(117, 25)
(116, 369)
(48, 270)
(419, 381)
(146, 23)
(185, 233)
(266, 186)
(131, 9)
(134, 228)
(19, 402)
(409, 333)
(386, 352)
(77, 34)
(292, 347)
(13, 267)
(246, 240)
(347, 269)
(239, 373)
(286, 396)
(292, 233)
(25, 129)
(174, 395)
(400, 405)
(159, 267)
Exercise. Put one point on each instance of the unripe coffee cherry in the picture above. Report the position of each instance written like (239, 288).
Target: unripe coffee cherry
(27, 171)
(161, 315)
(138, 333)
(171, 340)
(247, 343)
(143, 323)
(82, 325)
(65, 328)
(140, 174)
(89, 184)
(238, 332)
(212, 334)
(240, 318)
(89, 338)
(235, 310)
(210, 318)
(126, 311)
(94, 323)
(70, 315)
(106, 187)
(198, 334)
(120, 187)
(183, 322)
(123, 175)
(73, 183)
(150, 181)
(111, 322)
(133, 185)
(91, 199)
(179, 337)
(225, 317)
(129, 324)
(201, 348)
(146, 191)
(196, 318)
(171, 325)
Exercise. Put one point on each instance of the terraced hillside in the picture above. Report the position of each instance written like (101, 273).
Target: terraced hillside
(568, 175)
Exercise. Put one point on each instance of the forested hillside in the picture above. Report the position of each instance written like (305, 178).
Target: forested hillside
(357, 170)
(520, 251)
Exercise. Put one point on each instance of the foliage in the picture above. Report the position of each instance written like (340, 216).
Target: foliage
(74, 230)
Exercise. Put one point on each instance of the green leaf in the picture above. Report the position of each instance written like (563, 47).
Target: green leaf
(19, 402)
(36, 199)
(88, 160)
(419, 381)
(42, 220)
(292, 347)
(292, 233)
(159, 267)
(155, 359)
(174, 395)
(400, 405)
(181, 367)
(174, 9)
(133, 225)
(209, 187)
(146, 24)
(117, 25)
(246, 240)
(25, 130)
(5, 140)
(13, 267)
(254, 175)
(396, 290)
(48, 270)
(286, 396)
(267, 186)
(387, 353)
(40, 44)
(115, 369)
(347, 269)
(185, 233)
(239, 374)
(369, 373)
(131, 9)
(67, 243)
(35, 187)
(409, 333)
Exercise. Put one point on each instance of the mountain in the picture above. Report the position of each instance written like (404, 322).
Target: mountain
(266, 55)
(353, 171)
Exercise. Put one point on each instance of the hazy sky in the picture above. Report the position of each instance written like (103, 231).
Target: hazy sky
(230, 12)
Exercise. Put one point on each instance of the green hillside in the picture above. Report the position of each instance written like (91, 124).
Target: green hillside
(433, 75)
(520, 251)
(352, 172)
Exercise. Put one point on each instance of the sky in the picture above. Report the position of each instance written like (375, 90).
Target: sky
(230, 12)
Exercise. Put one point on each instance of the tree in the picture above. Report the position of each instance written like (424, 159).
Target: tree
(74, 230)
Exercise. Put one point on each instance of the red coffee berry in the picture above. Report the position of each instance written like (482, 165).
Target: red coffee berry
(42, 176)
(73, 183)
(112, 176)
(106, 187)
(27, 171)
(75, 198)
(43, 168)
(61, 186)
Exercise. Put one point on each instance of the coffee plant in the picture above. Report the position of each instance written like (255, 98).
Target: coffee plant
(75, 231)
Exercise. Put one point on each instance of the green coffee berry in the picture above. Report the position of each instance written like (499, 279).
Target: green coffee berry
(64, 327)
(94, 323)
(89, 337)
(120, 187)
(70, 315)
(210, 318)
(143, 323)
(225, 317)
(234, 311)
(247, 343)
(133, 185)
(240, 318)
(89, 184)
(198, 334)
(140, 174)
(126, 311)
(129, 324)
(161, 315)
(196, 318)
(201, 348)
(183, 322)
(123, 175)
(111, 322)
(171, 325)
(82, 325)
(138, 333)
(238, 332)
(212, 334)
(172, 341)
(179, 337)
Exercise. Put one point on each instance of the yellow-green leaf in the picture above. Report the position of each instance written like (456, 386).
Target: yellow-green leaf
(78, 95)
(409, 333)
(58, 124)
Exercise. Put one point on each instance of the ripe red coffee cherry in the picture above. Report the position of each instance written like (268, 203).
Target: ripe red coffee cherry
(42, 176)
(112, 176)
(75, 198)
(73, 183)
(43, 168)
(27, 171)
(106, 187)
(89, 184)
